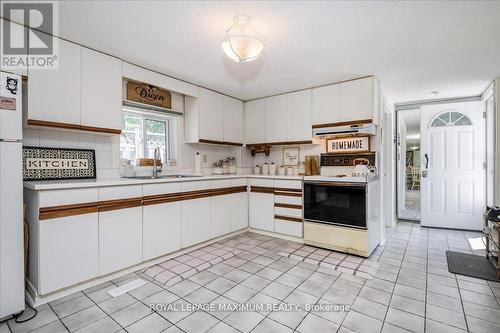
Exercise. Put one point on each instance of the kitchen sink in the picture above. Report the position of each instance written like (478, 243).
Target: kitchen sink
(163, 176)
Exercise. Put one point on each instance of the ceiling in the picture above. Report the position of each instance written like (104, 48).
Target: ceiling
(412, 47)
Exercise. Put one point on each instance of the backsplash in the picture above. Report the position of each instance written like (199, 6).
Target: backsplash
(276, 155)
(107, 150)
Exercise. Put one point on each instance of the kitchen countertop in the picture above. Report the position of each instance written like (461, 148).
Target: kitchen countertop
(353, 179)
(78, 183)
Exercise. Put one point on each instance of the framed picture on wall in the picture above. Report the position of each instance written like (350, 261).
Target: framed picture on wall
(291, 156)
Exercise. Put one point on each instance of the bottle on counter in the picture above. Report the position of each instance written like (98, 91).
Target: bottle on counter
(197, 163)
(232, 165)
(256, 170)
(265, 169)
(272, 169)
(281, 171)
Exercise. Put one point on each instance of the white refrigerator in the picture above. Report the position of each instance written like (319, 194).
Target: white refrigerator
(11, 196)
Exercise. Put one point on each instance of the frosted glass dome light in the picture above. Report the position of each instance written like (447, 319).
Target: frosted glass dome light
(242, 43)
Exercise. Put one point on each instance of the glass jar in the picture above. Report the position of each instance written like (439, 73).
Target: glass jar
(232, 165)
(225, 167)
(217, 168)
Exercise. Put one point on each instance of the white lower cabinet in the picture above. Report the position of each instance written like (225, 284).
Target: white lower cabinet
(120, 239)
(220, 215)
(288, 227)
(262, 211)
(68, 251)
(161, 229)
(195, 221)
(239, 211)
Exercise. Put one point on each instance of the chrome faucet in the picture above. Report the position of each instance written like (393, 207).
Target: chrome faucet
(156, 158)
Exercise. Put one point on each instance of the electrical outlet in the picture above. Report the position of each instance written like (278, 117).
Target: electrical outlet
(204, 160)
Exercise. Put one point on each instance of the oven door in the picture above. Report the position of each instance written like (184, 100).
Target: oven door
(335, 203)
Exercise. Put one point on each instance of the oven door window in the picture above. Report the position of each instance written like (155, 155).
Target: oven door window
(332, 204)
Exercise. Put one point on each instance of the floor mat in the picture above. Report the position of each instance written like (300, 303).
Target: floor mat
(471, 265)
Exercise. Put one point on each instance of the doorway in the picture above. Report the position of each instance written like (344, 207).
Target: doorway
(408, 165)
(453, 165)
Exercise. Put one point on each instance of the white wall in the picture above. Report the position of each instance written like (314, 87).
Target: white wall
(497, 139)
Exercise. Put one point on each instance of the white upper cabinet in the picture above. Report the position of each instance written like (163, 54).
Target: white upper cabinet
(276, 118)
(299, 116)
(101, 90)
(326, 104)
(357, 99)
(211, 115)
(213, 118)
(54, 94)
(233, 120)
(255, 121)
(288, 117)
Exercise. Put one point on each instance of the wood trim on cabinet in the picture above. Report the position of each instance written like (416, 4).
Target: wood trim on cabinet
(344, 123)
(282, 189)
(197, 194)
(109, 205)
(220, 191)
(288, 194)
(47, 213)
(215, 142)
(283, 205)
(262, 189)
(54, 124)
(239, 189)
(288, 218)
(161, 198)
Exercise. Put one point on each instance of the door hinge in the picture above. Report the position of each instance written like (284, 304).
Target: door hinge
(484, 114)
(484, 165)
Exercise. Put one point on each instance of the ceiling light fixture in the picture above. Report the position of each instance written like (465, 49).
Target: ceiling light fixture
(242, 43)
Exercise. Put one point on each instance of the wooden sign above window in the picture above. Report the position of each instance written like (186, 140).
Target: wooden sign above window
(148, 94)
(355, 144)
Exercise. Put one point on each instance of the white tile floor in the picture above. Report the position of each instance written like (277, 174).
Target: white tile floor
(411, 292)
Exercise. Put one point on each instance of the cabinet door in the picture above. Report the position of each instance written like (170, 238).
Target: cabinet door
(239, 211)
(195, 221)
(211, 122)
(161, 229)
(120, 239)
(299, 126)
(276, 118)
(262, 211)
(101, 102)
(68, 251)
(54, 95)
(356, 99)
(326, 104)
(255, 121)
(220, 215)
(233, 120)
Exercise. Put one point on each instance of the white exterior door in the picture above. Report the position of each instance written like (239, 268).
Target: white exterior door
(452, 150)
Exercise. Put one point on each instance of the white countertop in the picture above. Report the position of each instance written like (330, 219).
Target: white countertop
(66, 184)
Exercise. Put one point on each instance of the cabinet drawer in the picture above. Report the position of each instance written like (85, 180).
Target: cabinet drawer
(195, 186)
(285, 183)
(261, 182)
(290, 212)
(288, 200)
(67, 197)
(120, 192)
(165, 188)
(239, 182)
(288, 227)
